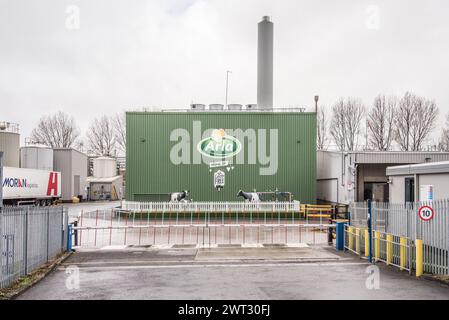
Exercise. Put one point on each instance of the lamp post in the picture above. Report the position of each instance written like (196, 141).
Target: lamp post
(316, 103)
(227, 87)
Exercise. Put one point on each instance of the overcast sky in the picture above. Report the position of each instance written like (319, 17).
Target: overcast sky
(94, 57)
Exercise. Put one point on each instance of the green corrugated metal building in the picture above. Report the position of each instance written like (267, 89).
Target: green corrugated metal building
(173, 151)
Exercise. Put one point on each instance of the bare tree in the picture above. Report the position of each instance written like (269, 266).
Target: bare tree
(444, 139)
(414, 121)
(58, 130)
(119, 125)
(322, 129)
(101, 138)
(380, 122)
(79, 145)
(346, 122)
(337, 129)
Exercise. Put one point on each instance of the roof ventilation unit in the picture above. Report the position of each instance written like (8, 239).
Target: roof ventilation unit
(198, 106)
(216, 107)
(251, 107)
(235, 107)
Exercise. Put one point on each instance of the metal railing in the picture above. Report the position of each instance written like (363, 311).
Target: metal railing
(29, 237)
(117, 227)
(393, 250)
(243, 110)
(356, 240)
(136, 206)
(396, 228)
(9, 127)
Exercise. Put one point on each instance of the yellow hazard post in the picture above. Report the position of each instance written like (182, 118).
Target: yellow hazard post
(403, 252)
(376, 246)
(389, 248)
(366, 243)
(419, 258)
(357, 240)
(350, 238)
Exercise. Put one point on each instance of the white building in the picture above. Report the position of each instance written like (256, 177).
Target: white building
(419, 182)
(105, 184)
(344, 177)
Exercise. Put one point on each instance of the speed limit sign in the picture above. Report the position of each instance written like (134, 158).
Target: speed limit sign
(426, 213)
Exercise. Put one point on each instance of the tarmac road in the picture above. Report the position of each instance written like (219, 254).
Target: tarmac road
(226, 273)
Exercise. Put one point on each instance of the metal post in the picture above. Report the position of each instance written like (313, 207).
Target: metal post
(419, 257)
(389, 248)
(1, 246)
(340, 236)
(48, 231)
(69, 238)
(227, 86)
(370, 231)
(1, 180)
(329, 234)
(75, 224)
(25, 243)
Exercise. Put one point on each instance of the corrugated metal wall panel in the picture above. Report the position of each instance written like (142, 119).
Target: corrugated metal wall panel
(9, 144)
(400, 157)
(150, 171)
(70, 163)
(62, 163)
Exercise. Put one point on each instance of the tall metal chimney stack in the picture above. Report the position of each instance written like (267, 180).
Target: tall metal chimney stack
(265, 64)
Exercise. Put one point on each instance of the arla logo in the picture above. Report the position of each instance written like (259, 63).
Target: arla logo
(219, 145)
(226, 147)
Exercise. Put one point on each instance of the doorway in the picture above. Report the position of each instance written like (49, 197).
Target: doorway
(376, 191)
(409, 190)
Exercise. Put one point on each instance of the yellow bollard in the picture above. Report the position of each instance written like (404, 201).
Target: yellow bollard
(366, 243)
(357, 240)
(389, 248)
(419, 258)
(376, 246)
(351, 239)
(403, 252)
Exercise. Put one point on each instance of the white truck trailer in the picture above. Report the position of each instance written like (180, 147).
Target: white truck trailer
(29, 186)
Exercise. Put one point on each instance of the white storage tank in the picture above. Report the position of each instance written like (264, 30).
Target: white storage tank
(216, 107)
(105, 167)
(9, 143)
(36, 157)
(235, 107)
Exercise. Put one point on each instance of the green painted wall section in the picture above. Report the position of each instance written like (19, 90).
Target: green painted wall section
(151, 175)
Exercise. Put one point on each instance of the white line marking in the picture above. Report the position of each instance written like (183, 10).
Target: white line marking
(252, 245)
(297, 245)
(310, 264)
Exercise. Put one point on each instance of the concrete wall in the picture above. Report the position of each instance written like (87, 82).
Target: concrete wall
(341, 176)
(71, 163)
(335, 178)
(439, 181)
(397, 189)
